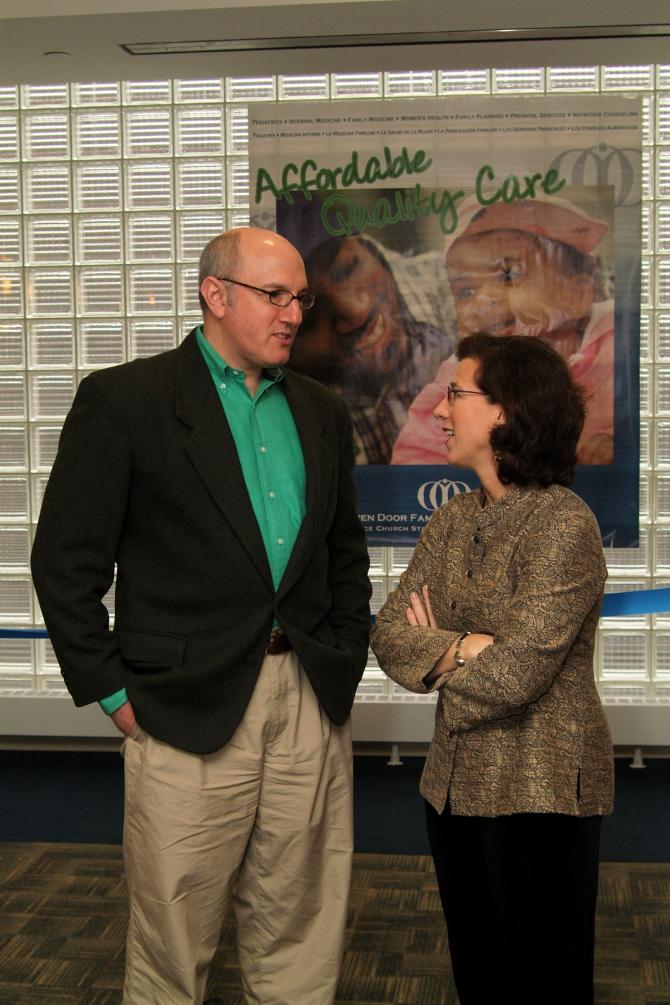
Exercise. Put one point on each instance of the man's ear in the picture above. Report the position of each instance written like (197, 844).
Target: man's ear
(215, 296)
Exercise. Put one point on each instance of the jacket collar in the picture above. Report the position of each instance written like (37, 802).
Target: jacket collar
(319, 465)
(212, 452)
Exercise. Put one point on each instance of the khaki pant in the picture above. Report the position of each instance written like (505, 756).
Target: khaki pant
(267, 818)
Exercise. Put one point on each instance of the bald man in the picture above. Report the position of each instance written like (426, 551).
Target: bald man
(221, 488)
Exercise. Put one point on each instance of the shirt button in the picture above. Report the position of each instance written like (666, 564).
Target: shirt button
(264, 450)
(222, 385)
(272, 494)
(280, 540)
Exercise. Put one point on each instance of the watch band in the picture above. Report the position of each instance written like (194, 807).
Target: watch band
(460, 660)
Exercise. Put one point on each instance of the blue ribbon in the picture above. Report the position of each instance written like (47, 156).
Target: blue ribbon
(24, 633)
(615, 605)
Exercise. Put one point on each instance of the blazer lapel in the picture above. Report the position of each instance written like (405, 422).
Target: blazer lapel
(212, 450)
(318, 457)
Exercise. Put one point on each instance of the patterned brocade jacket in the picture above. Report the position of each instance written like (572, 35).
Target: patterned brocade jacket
(519, 729)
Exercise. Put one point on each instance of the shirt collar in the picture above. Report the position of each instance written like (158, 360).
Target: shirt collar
(222, 371)
(490, 515)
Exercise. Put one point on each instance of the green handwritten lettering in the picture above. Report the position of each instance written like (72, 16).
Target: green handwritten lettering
(485, 172)
(288, 186)
(264, 183)
(309, 175)
(341, 216)
(514, 188)
(552, 183)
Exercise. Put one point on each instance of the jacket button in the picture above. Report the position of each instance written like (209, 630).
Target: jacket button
(469, 573)
(453, 605)
(476, 539)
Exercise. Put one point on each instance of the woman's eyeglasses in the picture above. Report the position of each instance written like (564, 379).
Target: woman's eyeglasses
(454, 393)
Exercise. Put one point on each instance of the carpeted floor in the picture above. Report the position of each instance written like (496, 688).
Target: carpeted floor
(63, 918)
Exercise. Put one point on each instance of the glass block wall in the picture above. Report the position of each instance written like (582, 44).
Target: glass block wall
(108, 191)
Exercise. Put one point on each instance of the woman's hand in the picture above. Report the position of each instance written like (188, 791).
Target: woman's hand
(474, 644)
(420, 614)
(471, 646)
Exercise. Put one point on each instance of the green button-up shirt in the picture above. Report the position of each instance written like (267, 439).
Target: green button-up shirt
(269, 451)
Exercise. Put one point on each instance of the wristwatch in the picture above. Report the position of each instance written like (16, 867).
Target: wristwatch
(460, 659)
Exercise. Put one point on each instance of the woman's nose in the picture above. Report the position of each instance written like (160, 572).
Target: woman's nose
(441, 410)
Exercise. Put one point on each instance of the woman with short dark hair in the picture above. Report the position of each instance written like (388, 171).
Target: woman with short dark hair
(498, 612)
(544, 408)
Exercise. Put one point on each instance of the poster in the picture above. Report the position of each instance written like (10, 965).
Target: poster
(422, 221)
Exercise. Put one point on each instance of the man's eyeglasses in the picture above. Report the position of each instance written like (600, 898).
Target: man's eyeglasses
(279, 297)
(454, 393)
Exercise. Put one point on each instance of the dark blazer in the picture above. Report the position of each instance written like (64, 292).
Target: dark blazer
(147, 476)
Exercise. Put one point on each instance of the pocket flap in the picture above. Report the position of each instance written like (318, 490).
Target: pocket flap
(151, 647)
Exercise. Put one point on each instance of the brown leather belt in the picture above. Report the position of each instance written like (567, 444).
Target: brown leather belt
(278, 643)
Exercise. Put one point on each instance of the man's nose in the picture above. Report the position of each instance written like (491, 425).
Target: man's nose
(291, 313)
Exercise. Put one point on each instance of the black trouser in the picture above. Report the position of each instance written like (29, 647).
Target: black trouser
(519, 897)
